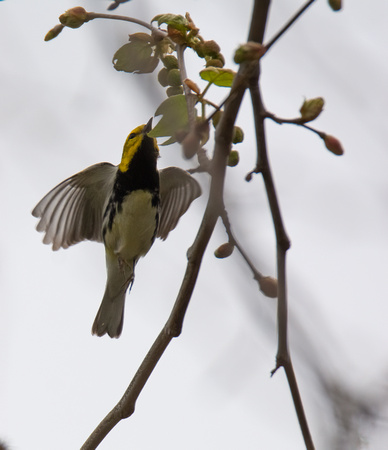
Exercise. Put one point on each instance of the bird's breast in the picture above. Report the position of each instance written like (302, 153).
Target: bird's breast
(130, 231)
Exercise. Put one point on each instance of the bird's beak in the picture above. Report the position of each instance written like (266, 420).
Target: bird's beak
(148, 127)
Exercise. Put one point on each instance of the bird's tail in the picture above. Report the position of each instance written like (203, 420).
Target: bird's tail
(110, 316)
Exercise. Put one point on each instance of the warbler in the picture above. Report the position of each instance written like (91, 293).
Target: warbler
(126, 207)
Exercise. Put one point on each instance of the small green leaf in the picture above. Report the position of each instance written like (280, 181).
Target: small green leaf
(218, 76)
(173, 20)
(135, 57)
(174, 118)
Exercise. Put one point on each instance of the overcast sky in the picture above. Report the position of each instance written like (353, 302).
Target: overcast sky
(63, 107)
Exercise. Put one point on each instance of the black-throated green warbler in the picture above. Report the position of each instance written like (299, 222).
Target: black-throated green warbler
(125, 207)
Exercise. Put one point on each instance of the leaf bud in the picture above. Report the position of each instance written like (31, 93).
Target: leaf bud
(234, 158)
(224, 250)
(170, 62)
(251, 51)
(269, 286)
(335, 5)
(238, 135)
(74, 17)
(174, 77)
(311, 109)
(333, 144)
(53, 33)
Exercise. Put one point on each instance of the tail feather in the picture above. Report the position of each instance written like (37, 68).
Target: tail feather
(110, 316)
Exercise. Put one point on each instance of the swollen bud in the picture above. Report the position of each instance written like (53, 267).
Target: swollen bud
(174, 90)
(174, 77)
(251, 51)
(311, 109)
(234, 158)
(210, 48)
(238, 135)
(74, 17)
(170, 62)
(333, 144)
(269, 286)
(162, 77)
(224, 250)
(335, 5)
(215, 63)
(53, 33)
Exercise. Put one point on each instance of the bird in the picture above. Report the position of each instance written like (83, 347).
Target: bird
(124, 206)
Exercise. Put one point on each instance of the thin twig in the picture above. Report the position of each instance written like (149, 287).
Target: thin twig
(155, 31)
(297, 121)
(232, 239)
(288, 24)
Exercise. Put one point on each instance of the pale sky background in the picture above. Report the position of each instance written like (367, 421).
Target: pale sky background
(63, 107)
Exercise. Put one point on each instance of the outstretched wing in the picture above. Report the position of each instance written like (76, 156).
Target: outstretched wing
(73, 210)
(177, 190)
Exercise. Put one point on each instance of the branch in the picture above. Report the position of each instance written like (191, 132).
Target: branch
(283, 358)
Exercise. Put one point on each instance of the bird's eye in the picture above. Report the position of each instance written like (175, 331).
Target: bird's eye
(132, 135)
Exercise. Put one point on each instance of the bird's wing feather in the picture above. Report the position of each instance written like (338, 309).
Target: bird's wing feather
(177, 190)
(73, 210)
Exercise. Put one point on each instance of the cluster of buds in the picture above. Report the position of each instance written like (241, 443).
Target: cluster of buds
(211, 52)
(170, 76)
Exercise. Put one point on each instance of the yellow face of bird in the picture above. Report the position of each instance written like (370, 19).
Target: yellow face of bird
(132, 144)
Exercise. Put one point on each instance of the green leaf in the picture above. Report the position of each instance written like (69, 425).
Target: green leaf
(173, 20)
(218, 76)
(174, 118)
(135, 57)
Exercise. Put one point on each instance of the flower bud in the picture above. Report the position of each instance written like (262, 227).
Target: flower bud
(224, 250)
(311, 109)
(210, 48)
(269, 286)
(335, 5)
(214, 63)
(74, 17)
(333, 144)
(174, 77)
(174, 90)
(162, 77)
(234, 158)
(251, 51)
(53, 33)
(170, 62)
